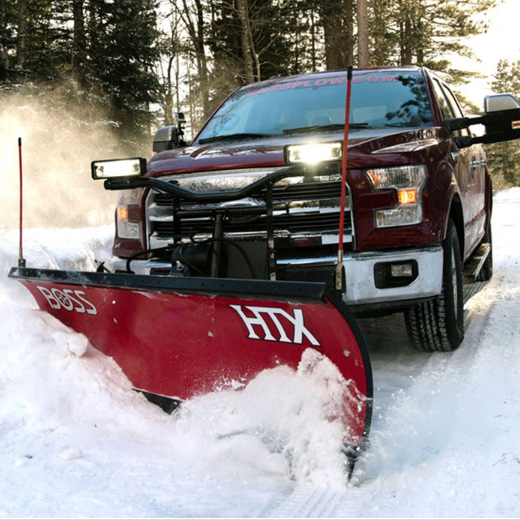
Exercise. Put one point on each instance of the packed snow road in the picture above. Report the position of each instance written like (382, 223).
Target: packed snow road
(75, 440)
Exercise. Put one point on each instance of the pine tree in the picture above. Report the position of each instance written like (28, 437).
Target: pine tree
(6, 38)
(43, 41)
(119, 70)
(504, 158)
(424, 32)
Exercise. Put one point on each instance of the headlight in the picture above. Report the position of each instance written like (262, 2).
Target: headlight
(125, 200)
(408, 181)
(397, 177)
(312, 153)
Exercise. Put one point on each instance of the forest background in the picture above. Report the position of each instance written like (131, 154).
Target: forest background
(126, 66)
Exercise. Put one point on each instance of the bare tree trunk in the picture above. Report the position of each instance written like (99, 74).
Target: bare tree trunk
(313, 42)
(201, 52)
(3, 43)
(256, 59)
(177, 80)
(333, 44)
(362, 21)
(80, 40)
(297, 53)
(380, 12)
(190, 97)
(420, 49)
(405, 33)
(22, 30)
(338, 29)
(168, 97)
(170, 76)
(348, 22)
(196, 32)
(407, 54)
(245, 40)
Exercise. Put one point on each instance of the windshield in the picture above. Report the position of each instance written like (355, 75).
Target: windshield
(378, 100)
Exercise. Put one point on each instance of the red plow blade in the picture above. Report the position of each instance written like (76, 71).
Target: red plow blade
(181, 337)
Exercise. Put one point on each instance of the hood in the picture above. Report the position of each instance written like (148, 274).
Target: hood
(366, 148)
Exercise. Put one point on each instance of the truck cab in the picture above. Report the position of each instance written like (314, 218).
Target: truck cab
(418, 206)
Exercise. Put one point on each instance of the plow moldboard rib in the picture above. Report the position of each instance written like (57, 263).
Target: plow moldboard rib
(180, 337)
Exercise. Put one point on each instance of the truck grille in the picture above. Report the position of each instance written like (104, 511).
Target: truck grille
(304, 191)
(290, 224)
(302, 208)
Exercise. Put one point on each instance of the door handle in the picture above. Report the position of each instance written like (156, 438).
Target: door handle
(474, 165)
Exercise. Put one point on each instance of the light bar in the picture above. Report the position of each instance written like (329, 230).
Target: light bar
(117, 168)
(313, 153)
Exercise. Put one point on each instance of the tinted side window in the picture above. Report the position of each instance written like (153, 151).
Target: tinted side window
(447, 112)
(452, 100)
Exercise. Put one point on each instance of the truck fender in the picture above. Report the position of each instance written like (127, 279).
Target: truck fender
(446, 193)
(456, 214)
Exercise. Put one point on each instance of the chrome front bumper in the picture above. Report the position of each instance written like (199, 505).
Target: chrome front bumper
(359, 269)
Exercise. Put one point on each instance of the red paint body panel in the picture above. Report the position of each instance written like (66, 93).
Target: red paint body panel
(269, 153)
(181, 344)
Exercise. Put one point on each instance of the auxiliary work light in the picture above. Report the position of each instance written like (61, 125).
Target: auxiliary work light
(118, 168)
(312, 153)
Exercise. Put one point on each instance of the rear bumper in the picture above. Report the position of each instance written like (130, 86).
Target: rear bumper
(360, 273)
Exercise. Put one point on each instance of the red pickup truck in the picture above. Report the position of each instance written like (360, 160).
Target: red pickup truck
(418, 215)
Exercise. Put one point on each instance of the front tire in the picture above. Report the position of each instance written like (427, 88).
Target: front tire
(438, 325)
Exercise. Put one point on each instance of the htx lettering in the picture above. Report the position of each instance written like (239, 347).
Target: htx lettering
(68, 299)
(259, 319)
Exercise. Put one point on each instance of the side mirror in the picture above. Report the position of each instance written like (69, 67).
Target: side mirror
(166, 138)
(170, 137)
(501, 119)
(500, 102)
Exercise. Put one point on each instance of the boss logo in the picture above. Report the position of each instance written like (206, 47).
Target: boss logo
(265, 316)
(68, 299)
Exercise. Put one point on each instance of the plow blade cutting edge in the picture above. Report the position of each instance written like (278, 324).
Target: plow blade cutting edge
(182, 337)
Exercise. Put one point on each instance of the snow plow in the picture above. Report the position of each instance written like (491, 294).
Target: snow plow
(177, 335)
(220, 314)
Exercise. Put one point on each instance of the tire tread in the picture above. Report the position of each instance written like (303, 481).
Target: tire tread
(428, 324)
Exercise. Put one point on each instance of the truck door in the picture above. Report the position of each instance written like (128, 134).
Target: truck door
(476, 179)
(468, 169)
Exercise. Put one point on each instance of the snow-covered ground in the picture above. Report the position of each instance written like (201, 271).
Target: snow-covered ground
(76, 441)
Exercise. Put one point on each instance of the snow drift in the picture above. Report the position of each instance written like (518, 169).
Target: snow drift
(77, 441)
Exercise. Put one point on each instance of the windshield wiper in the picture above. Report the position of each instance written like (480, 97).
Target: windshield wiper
(317, 128)
(231, 137)
(400, 125)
